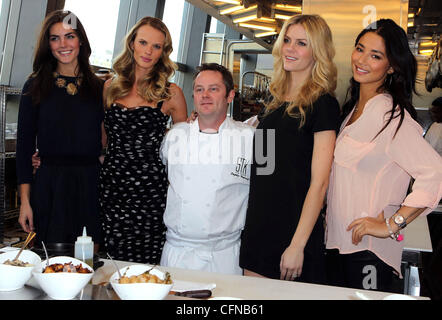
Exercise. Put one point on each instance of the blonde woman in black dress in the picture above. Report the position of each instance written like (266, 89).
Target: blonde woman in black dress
(133, 182)
(283, 237)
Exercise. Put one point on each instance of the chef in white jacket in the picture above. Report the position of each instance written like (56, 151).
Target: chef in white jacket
(208, 165)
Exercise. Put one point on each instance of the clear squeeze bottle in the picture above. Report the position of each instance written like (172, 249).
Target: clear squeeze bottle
(84, 249)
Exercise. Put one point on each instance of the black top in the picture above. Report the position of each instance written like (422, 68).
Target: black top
(276, 200)
(65, 126)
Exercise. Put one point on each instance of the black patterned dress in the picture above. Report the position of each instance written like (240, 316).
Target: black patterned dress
(133, 184)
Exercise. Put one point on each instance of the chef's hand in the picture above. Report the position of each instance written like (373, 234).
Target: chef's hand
(368, 226)
(25, 218)
(291, 263)
(192, 117)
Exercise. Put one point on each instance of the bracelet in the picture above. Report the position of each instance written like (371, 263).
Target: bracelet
(392, 235)
(395, 236)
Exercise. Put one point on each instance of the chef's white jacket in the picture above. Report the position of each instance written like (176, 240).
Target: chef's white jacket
(209, 176)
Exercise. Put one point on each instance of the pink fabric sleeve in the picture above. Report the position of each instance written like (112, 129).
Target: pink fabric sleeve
(416, 156)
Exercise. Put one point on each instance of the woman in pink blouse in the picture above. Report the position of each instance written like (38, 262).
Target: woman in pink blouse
(379, 148)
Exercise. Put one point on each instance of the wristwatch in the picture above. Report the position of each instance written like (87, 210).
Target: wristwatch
(399, 220)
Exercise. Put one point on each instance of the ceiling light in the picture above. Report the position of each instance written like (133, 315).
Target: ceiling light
(411, 15)
(231, 9)
(257, 26)
(243, 9)
(410, 24)
(246, 18)
(428, 44)
(230, 1)
(426, 52)
(287, 7)
(264, 19)
(265, 34)
(282, 16)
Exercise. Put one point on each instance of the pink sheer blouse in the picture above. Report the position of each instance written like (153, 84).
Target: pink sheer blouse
(370, 176)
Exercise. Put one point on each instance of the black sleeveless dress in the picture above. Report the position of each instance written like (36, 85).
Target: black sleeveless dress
(133, 184)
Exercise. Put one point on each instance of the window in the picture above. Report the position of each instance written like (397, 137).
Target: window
(99, 18)
(173, 18)
(3, 26)
(213, 24)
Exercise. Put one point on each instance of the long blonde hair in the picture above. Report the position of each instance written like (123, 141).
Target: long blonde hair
(155, 86)
(324, 72)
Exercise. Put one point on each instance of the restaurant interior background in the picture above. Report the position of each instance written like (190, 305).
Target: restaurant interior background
(237, 34)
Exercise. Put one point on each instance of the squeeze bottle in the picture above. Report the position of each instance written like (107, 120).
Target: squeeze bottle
(84, 249)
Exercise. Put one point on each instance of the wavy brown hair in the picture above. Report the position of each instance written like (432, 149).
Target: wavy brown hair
(155, 86)
(323, 77)
(45, 63)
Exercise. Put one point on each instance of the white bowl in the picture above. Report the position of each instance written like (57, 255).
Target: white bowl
(62, 285)
(140, 291)
(14, 278)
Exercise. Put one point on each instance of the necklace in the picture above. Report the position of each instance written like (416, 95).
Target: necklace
(356, 108)
(71, 87)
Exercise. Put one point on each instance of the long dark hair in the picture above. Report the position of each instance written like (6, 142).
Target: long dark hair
(45, 63)
(401, 83)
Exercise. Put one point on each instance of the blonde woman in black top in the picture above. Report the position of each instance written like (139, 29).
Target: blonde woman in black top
(283, 237)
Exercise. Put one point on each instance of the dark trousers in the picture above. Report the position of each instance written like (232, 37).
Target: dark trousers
(359, 270)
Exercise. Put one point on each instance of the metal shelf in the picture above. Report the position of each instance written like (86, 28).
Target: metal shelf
(5, 215)
(11, 214)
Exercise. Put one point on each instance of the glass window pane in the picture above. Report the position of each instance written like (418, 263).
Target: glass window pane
(213, 23)
(99, 18)
(173, 18)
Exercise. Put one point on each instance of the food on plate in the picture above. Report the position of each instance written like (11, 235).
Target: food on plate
(17, 263)
(66, 267)
(145, 277)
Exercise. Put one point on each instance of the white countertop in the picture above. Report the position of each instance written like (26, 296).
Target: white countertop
(252, 288)
(230, 286)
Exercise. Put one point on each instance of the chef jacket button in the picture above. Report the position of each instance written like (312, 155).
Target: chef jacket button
(187, 178)
(213, 181)
(207, 204)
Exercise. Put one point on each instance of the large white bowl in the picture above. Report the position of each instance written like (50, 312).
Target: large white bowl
(14, 278)
(62, 285)
(140, 291)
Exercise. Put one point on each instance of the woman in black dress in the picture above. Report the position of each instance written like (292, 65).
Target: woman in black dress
(133, 181)
(283, 237)
(60, 113)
